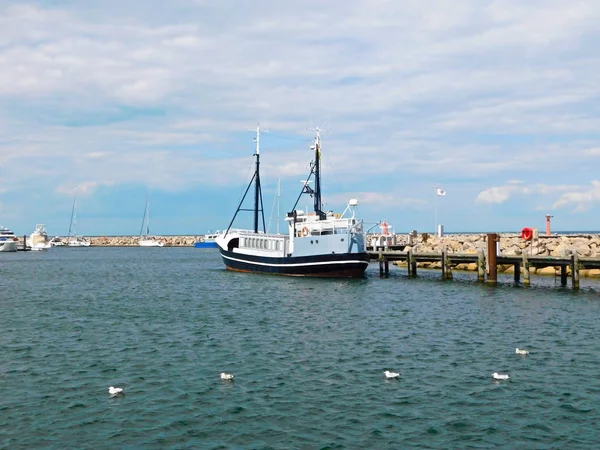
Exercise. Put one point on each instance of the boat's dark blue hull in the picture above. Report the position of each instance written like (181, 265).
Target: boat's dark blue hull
(205, 245)
(345, 265)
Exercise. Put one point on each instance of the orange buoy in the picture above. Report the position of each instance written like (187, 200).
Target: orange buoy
(527, 233)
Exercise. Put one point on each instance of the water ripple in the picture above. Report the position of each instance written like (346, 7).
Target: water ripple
(308, 357)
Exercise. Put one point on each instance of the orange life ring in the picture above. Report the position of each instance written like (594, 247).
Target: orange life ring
(305, 231)
(527, 233)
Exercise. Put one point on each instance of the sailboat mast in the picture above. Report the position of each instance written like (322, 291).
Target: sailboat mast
(257, 179)
(317, 195)
(72, 222)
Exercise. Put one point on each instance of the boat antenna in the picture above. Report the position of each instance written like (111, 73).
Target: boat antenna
(258, 201)
(315, 170)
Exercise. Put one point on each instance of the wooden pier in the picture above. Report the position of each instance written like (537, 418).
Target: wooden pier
(487, 263)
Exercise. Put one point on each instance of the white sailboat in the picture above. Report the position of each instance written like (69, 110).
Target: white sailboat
(73, 240)
(147, 240)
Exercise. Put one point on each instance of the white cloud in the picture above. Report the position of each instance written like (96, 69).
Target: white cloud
(413, 92)
(517, 189)
(583, 199)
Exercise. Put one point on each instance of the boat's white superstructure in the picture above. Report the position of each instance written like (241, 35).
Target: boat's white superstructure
(8, 240)
(319, 244)
(147, 240)
(39, 240)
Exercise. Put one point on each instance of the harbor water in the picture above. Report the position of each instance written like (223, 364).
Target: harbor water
(307, 356)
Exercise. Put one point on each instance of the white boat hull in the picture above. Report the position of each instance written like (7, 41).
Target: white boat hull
(40, 246)
(78, 244)
(151, 243)
(8, 246)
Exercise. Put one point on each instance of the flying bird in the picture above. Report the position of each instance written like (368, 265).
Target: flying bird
(389, 374)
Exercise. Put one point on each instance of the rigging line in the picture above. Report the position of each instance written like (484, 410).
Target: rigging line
(292, 138)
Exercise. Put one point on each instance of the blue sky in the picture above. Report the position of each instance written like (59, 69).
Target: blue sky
(496, 102)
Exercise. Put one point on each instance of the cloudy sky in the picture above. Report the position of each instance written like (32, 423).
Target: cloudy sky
(496, 102)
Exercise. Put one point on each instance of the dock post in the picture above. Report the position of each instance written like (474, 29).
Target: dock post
(413, 265)
(447, 266)
(563, 275)
(492, 239)
(575, 270)
(24, 242)
(480, 265)
(526, 271)
(443, 261)
(517, 267)
(380, 261)
(386, 264)
(408, 258)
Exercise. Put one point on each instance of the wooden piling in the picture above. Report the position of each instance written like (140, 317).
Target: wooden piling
(413, 265)
(492, 239)
(481, 265)
(575, 270)
(447, 266)
(386, 267)
(563, 275)
(380, 261)
(443, 264)
(526, 270)
(517, 267)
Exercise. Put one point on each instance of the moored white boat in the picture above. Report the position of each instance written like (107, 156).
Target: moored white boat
(73, 240)
(318, 244)
(8, 240)
(38, 240)
(147, 240)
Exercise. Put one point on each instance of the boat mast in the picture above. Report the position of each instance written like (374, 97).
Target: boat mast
(317, 195)
(72, 224)
(315, 169)
(258, 201)
(257, 191)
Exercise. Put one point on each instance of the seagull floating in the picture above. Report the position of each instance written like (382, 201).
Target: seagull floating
(115, 391)
(500, 376)
(226, 376)
(521, 352)
(389, 374)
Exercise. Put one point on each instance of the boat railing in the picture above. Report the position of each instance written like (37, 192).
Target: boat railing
(335, 226)
(259, 234)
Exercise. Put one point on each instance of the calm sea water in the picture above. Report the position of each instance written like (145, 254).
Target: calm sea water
(308, 357)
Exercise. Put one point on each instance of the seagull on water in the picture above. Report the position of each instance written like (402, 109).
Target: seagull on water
(226, 376)
(521, 352)
(116, 391)
(389, 374)
(500, 376)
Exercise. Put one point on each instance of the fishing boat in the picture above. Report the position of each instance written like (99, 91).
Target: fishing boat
(73, 240)
(207, 241)
(317, 244)
(147, 240)
(39, 240)
(8, 240)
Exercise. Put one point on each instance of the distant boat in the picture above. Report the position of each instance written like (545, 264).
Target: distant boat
(8, 240)
(317, 244)
(147, 240)
(56, 242)
(39, 240)
(208, 241)
(73, 240)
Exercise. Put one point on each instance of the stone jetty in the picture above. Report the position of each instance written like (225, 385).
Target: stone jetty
(587, 245)
(133, 241)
